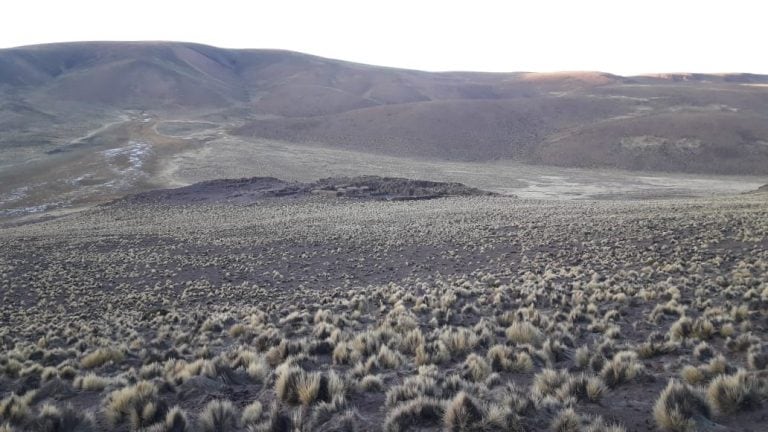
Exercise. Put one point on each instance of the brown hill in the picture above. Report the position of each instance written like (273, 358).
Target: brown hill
(706, 123)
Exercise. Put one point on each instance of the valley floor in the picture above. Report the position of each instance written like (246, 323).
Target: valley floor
(466, 313)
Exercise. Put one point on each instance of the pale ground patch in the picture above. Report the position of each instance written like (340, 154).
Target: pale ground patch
(234, 158)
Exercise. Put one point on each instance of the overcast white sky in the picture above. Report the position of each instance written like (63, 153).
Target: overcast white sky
(624, 37)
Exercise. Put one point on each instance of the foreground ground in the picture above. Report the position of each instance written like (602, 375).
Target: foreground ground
(473, 313)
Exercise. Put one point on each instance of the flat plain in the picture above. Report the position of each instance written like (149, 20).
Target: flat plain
(334, 313)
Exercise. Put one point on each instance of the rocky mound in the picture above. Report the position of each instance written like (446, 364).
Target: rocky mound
(250, 190)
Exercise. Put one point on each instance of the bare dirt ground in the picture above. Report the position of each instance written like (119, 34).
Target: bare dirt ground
(331, 313)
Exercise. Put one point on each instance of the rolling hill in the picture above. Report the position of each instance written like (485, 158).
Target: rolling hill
(674, 122)
(92, 121)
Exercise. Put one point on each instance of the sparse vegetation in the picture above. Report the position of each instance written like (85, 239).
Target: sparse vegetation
(465, 314)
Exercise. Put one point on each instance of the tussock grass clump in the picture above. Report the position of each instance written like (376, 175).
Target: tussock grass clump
(101, 357)
(567, 420)
(371, 383)
(252, 413)
(757, 359)
(583, 388)
(692, 375)
(412, 340)
(323, 412)
(622, 368)
(581, 357)
(344, 354)
(703, 352)
(465, 414)
(599, 425)
(680, 408)
(742, 342)
(475, 368)
(433, 352)
(175, 421)
(459, 340)
(388, 359)
(563, 386)
(412, 388)
(742, 391)
(548, 382)
(523, 332)
(653, 348)
(92, 382)
(295, 386)
(417, 413)
(703, 329)
(258, 370)
(15, 409)
(718, 366)
(138, 404)
(219, 416)
(503, 358)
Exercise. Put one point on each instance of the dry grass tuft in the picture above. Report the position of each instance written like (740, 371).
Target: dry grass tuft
(680, 408)
(567, 420)
(622, 368)
(219, 416)
(101, 357)
(137, 404)
(742, 391)
(465, 414)
(422, 412)
(524, 333)
(475, 368)
(252, 413)
(15, 409)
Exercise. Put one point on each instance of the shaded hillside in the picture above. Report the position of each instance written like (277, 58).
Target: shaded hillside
(670, 122)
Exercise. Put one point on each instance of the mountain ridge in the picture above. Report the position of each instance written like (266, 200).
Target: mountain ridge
(672, 122)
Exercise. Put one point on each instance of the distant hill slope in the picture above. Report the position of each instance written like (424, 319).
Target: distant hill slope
(672, 122)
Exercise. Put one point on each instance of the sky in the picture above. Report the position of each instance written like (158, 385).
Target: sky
(617, 36)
